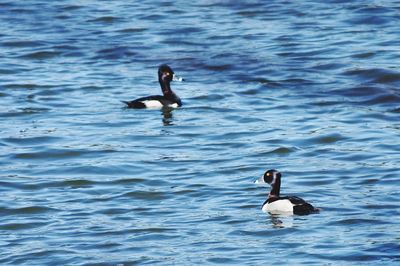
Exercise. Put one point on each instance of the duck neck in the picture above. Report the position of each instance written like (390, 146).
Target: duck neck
(165, 87)
(276, 186)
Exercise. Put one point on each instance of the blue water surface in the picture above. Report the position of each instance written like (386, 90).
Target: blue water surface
(311, 88)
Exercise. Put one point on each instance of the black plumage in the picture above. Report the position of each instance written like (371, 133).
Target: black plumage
(168, 99)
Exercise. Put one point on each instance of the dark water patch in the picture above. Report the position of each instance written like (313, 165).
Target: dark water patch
(70, 7)
(46, 184)
(379, 207)
(369, 181)
(178, 40)
(388, 77)
(359, 91)
(325, 103)
(387, 249)
(221, 260)
(250, 13)
(31, 140)
(31, 210)
(6, 4)
(375, 75)
(21, 226)
(371, 95)
(22, 11)
(127, 181)
(364, 55)
(375, 9)
(280, 151)
(327, 139)
(373, 15)
(29, 86)
(114, 211)
(186, 30)
(359, 222)
(153, 17)
(185, 192)
(328, 66)
(368, 20)
(57, 154)
(208, 97)
(146, 195)
(297, 82)
(23, 44)
(24, 112)
(383, 99)
(7, 71)
(77, 183)
(251, 92)
(133, 30)
(396, 110)
(106, 19)
(91, 88)
(41, 55)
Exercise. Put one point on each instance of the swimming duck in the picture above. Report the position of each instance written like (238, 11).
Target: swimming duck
(168, 99)
(276, 204)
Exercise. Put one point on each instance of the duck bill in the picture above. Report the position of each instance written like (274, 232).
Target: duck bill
(260, 180)
(177, 78)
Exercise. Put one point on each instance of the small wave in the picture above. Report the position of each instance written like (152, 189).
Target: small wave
(56, 154)
(396, 110)
(78, 183)
(25, 210)
(374, 75)
(23, 44)
(21, 226)
(31, 140)
(105, 19)
(24, 112)
(327, 139)
(41, 55)
(71, 7)
(146, 195)
(132, 30)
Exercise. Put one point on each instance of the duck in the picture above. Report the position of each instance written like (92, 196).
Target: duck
(275, 204)
(168, 99)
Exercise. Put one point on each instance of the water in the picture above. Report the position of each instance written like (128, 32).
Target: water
(310, 88)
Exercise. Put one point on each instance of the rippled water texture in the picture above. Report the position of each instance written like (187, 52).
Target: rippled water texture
(311, 88)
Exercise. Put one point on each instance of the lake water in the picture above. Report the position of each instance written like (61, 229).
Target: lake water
(311, 88)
